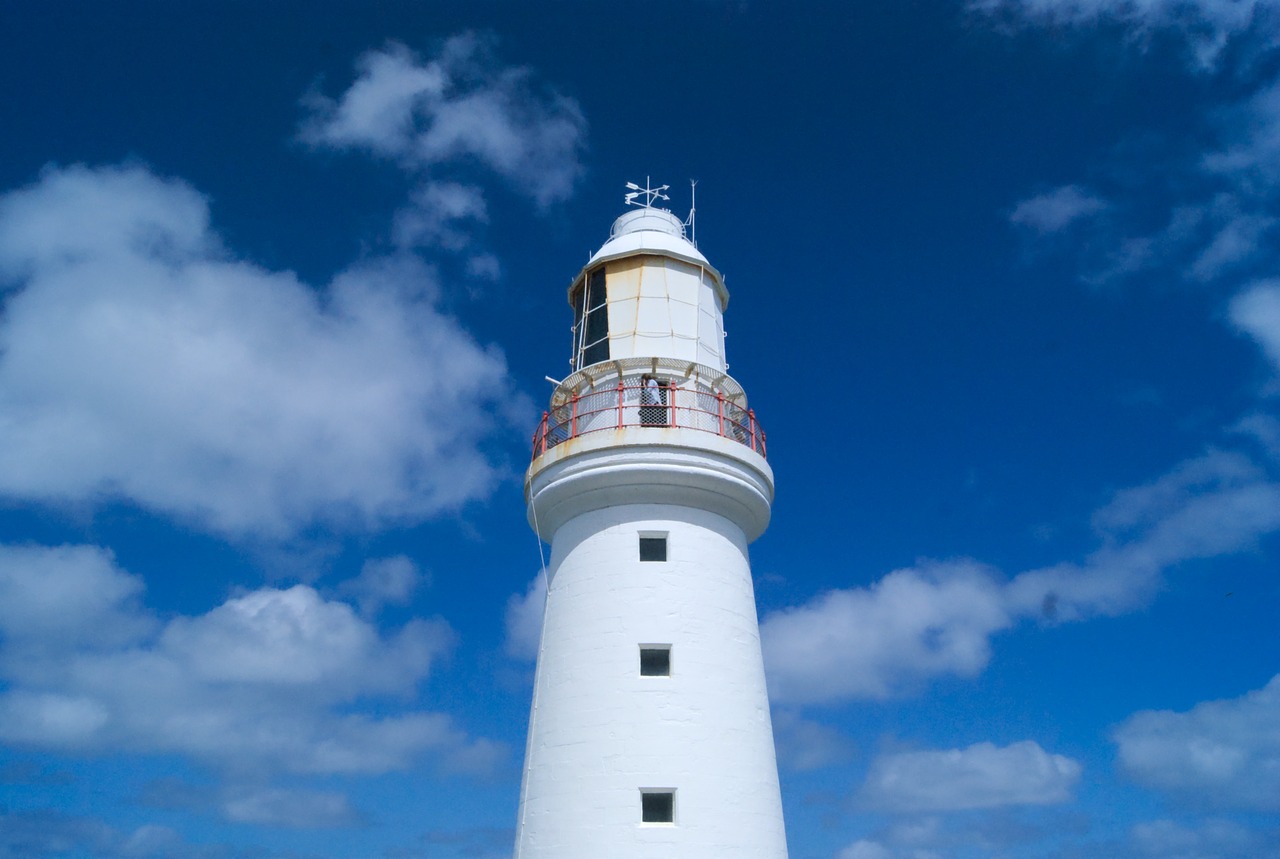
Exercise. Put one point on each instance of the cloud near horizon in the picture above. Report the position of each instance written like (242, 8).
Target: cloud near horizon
(938, 618)
(1218, 754)
(980, 776)
(271, 681)
(1212, 839)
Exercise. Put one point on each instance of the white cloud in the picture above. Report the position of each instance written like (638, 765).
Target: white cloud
(1213, 839)
(307, 809)
(1208, 25)
(1263, 429)
(910, 626)
(38, 834)
(1237, 240)
(1252, 127)
(1212, 505)
(1221, 218)
(524, 619)
(980, 776)
(440, 213)
(383, 581)
(865, 849)
(294, 638)
(1227, 14)
(1057, 209)
(139, 362)
(377, 112)
(1256, 311)
(803, 744)
(1206, 240)
(68, 597)
(1219, 753)
(271, 680)
(458, 107)
(938, 619)
(1139, 508)
(484, 266)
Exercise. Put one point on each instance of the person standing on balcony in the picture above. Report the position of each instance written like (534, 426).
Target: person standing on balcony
(652, 406)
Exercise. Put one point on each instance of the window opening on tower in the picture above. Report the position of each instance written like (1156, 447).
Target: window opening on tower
(655, 660)
(653, 547)
(657, 806)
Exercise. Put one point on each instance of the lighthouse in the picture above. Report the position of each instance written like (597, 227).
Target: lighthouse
(649, 733)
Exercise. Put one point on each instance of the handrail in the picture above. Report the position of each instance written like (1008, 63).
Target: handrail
(630, 403)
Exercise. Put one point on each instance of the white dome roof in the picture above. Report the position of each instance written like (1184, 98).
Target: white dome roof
(646, 230)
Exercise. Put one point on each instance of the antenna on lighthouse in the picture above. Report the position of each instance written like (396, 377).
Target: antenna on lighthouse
(693, 210)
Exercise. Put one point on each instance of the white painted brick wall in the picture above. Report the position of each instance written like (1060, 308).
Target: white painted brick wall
(600, 732)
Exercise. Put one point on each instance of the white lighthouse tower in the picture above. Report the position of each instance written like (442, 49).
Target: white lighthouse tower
(649, 734)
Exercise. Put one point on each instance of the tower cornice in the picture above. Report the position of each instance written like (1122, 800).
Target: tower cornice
(648, 465)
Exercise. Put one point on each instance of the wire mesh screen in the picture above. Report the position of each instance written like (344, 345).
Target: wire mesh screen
(648, 402)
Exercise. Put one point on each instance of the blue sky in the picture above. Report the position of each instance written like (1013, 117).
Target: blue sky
(282, 282)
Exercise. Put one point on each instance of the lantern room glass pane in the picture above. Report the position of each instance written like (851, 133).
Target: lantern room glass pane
(593, 326)
(595, 353)
(596, 292)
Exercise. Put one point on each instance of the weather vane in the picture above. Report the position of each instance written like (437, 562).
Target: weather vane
(650, 194)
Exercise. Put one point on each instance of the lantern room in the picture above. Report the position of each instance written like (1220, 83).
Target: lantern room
(648, 293)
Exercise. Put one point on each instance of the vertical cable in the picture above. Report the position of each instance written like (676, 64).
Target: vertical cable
(533, 710)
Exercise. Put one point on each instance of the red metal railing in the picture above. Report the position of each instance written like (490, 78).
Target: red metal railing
(630, 403)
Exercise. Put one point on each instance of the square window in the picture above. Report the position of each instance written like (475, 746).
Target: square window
(653, 548)
(658, 806)
(655, 661)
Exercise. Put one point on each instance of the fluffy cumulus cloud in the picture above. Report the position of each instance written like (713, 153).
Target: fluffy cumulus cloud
(938, 619)
(1220, 753)
(68, 597)
(140, 361)
(874, 642)
(458, 106)
(270, 681)
(980, 776)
